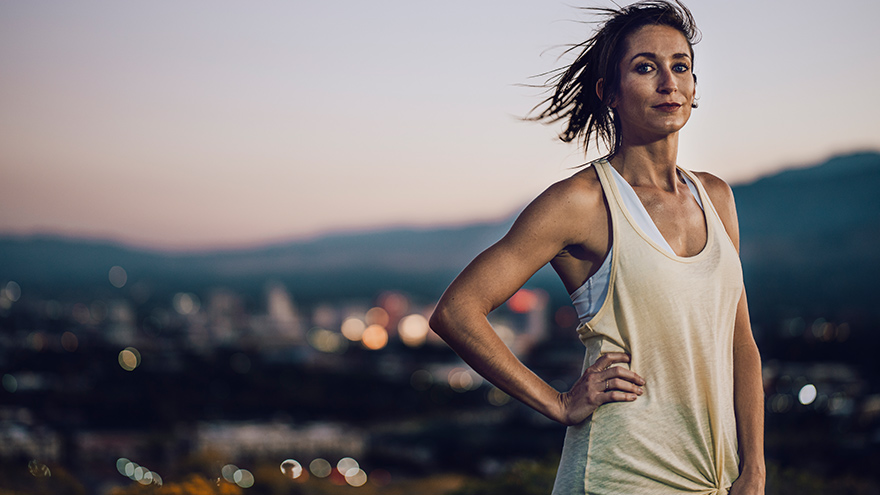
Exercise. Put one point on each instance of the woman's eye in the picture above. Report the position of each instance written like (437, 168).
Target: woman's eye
(681, 68)
(644, 68)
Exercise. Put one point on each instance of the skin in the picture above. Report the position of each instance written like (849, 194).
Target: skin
(653, 103)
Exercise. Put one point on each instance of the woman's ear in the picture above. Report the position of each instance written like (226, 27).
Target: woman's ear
(600, 92)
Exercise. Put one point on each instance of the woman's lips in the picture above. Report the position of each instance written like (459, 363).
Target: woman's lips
(667, 107)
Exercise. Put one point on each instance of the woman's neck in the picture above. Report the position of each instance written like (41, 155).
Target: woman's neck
(650, 164)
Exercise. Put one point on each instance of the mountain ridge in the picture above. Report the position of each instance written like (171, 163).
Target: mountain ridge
(799, 227)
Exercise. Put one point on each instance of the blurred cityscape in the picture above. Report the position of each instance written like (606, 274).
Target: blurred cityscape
(104, 393)
(311, 369)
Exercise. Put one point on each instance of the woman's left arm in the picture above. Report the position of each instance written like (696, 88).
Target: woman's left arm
(748, 385)
(748, 402)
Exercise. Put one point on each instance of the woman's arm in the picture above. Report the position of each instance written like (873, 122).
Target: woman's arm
(748, 385)
(748, 397)
(544, 229)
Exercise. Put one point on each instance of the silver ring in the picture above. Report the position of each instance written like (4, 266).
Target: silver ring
(606, 386)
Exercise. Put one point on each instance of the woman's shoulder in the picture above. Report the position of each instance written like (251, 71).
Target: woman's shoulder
(718, 190)
(583, 189)
(571, 206)
(721, 196)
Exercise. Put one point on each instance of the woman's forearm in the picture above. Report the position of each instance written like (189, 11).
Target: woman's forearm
(748, 391)
(475, 341)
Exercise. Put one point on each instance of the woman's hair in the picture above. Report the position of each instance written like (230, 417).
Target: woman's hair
(574, 99)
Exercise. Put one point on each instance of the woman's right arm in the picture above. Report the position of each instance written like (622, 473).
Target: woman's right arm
(542, 231)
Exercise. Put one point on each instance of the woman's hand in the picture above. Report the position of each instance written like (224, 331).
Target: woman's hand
(599, 384)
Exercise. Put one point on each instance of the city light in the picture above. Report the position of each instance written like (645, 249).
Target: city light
(463, 380)
(12, 291)
(291, 469)
(421, 380)
(375, 337)
(117, 277)
(377, 316)
(353, 328)
(807, 394)
(326, 341)
(523, 301)
(243, 478)
(413, 330)
(129, 358)
(497, 397)
(186, 303)
(69, 341)
(10, 383)
(38, 469)
(320, 468)
(347, 465)
(138, 473)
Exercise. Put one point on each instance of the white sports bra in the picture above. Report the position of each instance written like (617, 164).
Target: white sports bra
(588, 298)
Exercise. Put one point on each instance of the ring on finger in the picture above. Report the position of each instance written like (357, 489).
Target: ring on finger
(606, 385)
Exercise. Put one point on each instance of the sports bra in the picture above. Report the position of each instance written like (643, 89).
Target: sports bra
(588, 298)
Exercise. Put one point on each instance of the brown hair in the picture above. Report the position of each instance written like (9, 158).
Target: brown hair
(574, 98)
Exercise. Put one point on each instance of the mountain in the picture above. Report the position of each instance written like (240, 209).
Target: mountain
(810, 239)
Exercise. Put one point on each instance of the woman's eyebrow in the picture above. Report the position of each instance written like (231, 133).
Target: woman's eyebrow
(652, 55)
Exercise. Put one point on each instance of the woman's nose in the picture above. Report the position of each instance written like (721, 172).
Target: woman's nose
(666, 83)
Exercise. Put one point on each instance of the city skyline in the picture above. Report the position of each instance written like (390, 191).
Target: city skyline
(210, 125)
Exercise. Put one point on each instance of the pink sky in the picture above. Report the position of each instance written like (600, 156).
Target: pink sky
(205, 124)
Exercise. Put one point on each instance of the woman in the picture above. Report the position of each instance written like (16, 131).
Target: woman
(670, 400)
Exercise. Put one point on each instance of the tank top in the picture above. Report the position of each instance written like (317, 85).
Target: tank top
(589, 297)
(674, 316)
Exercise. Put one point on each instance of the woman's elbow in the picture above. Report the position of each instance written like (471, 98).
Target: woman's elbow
(439, 321)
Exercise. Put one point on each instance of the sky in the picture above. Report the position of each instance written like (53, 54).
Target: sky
(198, 125)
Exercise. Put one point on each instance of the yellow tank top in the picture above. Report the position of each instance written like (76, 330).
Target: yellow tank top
(674, 316)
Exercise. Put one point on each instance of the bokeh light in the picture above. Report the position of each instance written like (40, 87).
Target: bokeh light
(69, 341)
(135, 472)
(243, 478)
(463, 380)
(228, 472)
(566, 317)
(186, 303)
(37, 341)
(506, 334)
(10, 384)
(320, 468)
(347, 465)
(291, 469)
(356, 477)
(413, 330)
(129, 358)
(353, 328)
(117, 277)
(38, 469)
(375, 337)
(12, 291)
(523, 301)
(421, 380)
(807, 394)
(497, 397)
(377, 316)
(326, 341)
(781, 403)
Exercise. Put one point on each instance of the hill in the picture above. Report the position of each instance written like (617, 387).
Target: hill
(810, 240)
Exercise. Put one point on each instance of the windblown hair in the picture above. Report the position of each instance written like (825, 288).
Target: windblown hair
(574, 99)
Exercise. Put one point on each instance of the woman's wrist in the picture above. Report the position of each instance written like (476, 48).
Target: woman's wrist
(755, 471)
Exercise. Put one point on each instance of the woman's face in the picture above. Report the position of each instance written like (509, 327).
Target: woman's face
(656, 84)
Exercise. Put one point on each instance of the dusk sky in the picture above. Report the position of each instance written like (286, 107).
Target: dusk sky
(210, 124)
